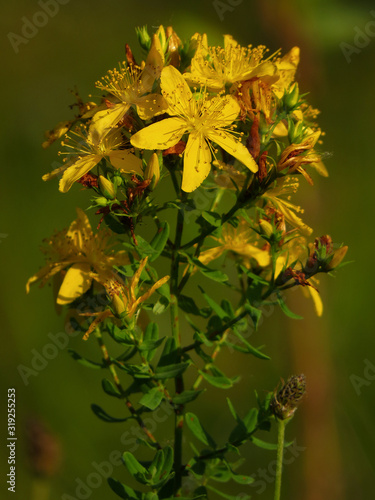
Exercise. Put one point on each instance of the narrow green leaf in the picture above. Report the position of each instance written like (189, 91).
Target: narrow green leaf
(212, 218)
(219, 380)
(250, 349)
(134, 467)
(226, 496)
(123, 491)
(267, 446)
(103, 415)
(188, 305)
(196, 428)
(169, 354)
(110, 388)
(84, 361)
(152, 399)
(161, 305)
(170, 371)
(254, 313)
(151, 334)
(285, 308)
(186, 397)
(159, 240)
(214, 306)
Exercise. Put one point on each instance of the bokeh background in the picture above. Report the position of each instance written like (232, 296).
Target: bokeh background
(334, 429)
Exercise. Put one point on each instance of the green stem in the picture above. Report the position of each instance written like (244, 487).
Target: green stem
(121, 390)
(280, 454)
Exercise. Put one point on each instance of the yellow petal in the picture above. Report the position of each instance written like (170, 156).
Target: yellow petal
(124, 160)
(211, 254)
(318, 303)
(233, 147)
(77, 170)
(151, 105)
(252, 252)
(154, 64)
(76, 282)
(176, 91)
(226, 109)
(80, 230)
(160, 135)
(229, 41)
(197, 162)
(104, 121)
(45, 273)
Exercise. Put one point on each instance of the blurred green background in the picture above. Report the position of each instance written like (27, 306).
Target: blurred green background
(334, 429)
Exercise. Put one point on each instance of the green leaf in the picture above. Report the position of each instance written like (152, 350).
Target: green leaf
(186, 397)
(151, 335)
(152, 399)
(214, 306)
(250, 349)
(213, 274)
(169, 354)
(113, 224)
(134, 467)
(150, 345)
(170, 371)
(212, 218)
(196, 428)
(123, 491)
(84, 361)
(254, 313)
(160, 468)
(224, 495)
(103, 415)
(218, 379)
(136, 371)
(161, 305)
(188, 305)
(121, 335)
(267, 446)
(110, 388)
(285, 308)
(159, 240)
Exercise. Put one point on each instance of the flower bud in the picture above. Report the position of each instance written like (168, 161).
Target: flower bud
(152, 171)
(266, 228)
(101, 201)
(286, 400)
(163, 39)
(174, 43)
(107, 188)
(291, 99)
(118, 304)
(143, 37)
(337, 258)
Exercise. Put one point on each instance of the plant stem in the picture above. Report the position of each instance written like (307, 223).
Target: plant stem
(280, 454)
(119, 387)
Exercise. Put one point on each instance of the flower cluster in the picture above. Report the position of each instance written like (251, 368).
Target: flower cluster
(221, 138)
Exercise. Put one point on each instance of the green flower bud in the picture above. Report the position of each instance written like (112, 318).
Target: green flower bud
(266, 227)
(107, 188)
(291, 99)
(101, 201)
(286, 400)
(143, 37)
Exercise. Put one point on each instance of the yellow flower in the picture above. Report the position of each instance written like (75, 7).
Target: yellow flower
(236, 240)
(85, 255)
(286, 70)
(124, 297)
(294, 250)
(206, 120)
(217, 67)
(285, 187)
(131, 86)
(88, 150)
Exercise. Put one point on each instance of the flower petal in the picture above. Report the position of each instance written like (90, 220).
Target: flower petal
(77, 170)
(76, 282)
(223, 109)
(124, 160)
(176, 91)
(197, 162)
(104, 121)
(151, 105)
(160, 135)
(233, 147)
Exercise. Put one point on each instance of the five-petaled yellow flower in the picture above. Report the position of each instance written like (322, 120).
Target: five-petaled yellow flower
(217, 67)
(131, 86)
(85, 255)
(206, 120)
(88, 150)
